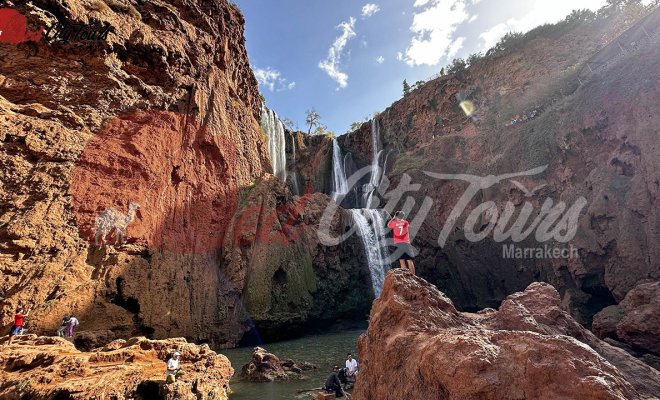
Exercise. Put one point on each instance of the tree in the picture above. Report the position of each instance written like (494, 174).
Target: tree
(406, 87)
(312, 119)
(289, 124)
(418, 84)
(356, 125)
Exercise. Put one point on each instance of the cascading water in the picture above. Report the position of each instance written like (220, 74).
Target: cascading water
(274, 130)
(338, 172)
(294, 174)
(371, 227)
(374, 178)
(369, 223)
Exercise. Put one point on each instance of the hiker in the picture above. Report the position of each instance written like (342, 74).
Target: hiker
(61, 331)
(351, 367)
(402, 240)
(332, 384)
(19, 321)
(70, 326)
(172, 368)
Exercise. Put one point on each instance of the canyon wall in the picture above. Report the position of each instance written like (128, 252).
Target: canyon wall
(586, 139)
(153, 128)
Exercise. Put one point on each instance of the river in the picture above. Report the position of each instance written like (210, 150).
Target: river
(324, 351)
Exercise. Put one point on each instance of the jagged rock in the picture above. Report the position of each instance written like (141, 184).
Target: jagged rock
(267, 367)
(419, 346)
(35, 367)
(635, 320)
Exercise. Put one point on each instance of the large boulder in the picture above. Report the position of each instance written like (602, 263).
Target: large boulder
(267, 367)
(419, 346)
(635, 321)
(51, 368)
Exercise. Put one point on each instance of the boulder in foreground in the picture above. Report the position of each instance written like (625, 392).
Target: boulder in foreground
(418, 346)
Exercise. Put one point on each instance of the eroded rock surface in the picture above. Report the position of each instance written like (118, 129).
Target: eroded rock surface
(419, 346)
(51, 368)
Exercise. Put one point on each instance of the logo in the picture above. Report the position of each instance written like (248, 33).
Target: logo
(553, 221)
(13, 28)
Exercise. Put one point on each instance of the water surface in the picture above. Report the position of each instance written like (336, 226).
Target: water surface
(324, 351)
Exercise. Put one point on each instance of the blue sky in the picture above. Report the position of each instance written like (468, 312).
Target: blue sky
(348, 58)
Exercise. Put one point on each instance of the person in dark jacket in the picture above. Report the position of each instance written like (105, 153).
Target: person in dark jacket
(332, 384)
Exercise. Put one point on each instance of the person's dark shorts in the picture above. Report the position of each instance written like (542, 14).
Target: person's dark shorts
(15, 330)
(405, 251)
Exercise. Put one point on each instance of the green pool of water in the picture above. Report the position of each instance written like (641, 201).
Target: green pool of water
(324, 351)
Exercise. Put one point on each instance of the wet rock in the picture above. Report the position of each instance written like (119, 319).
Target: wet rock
(267, 367)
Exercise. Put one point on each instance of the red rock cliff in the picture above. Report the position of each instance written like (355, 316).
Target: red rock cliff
(537, 103)
(163, 113)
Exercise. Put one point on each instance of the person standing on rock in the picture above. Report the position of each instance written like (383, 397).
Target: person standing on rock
(172, 368)
(399, 227)
(61, 331)
(71, 325)
(19, 321)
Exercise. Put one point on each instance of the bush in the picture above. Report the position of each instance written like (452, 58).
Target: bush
(457, 66)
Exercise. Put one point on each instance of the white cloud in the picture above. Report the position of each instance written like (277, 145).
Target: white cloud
(399, 55)
(473, 18)
(380, 59)
(272, 79)
(434, 28)
(369, 9)
(542, 12)
(331, 63)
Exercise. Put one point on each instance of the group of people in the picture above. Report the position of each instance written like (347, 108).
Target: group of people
(341, 378)
(69, 323)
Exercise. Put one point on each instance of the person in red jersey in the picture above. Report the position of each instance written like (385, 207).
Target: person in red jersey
(399, 228)
(19, 321)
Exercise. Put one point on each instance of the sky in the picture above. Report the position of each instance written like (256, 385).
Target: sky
(347, 58)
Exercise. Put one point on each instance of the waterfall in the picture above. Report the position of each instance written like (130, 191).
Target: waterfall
(369, 222)
(338, 172)
(274, 130)
(294, 173)
(374, 179)
(371, 228)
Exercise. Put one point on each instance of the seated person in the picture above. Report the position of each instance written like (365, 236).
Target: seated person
(332, 384)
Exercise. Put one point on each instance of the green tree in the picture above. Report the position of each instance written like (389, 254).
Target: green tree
(418, 84)
(406, 87)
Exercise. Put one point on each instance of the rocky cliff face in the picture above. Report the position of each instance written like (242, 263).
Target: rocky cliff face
(51, 368)
(418, 346)
(532, 105)
(152, 129)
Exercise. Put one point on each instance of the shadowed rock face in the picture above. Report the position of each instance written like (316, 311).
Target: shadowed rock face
(598, 140)
(419, 346)
(635, 321)
(54, 369)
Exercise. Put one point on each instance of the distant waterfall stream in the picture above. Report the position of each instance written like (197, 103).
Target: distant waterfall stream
(274, 130)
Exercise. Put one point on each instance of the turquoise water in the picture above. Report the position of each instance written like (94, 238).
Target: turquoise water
(324, 351)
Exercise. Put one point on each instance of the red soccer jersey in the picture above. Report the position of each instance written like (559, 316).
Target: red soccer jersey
(18, 319)
(400, 228)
